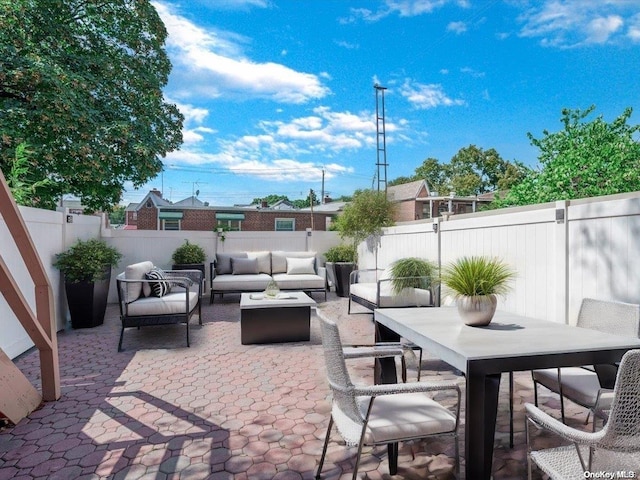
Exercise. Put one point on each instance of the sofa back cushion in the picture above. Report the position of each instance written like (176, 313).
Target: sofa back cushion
(136, 271)
(279, 259)
(223, 261)
(244, 266)
(264, 261)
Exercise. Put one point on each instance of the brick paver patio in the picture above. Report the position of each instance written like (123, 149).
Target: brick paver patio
(219, 410)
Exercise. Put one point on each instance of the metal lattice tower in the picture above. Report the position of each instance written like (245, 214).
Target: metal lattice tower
(381, 141)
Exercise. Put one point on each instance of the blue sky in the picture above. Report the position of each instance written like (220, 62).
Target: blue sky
(275, 92)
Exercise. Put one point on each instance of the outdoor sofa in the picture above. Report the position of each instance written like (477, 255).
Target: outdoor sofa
(148, 296)
(372, 289)
(237, 272)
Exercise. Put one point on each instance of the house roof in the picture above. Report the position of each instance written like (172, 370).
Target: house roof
(406, 191)
(191, 202)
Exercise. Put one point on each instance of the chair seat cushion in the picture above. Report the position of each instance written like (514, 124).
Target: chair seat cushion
(173, 303)
(298, 282)
(405, 416)
(578, 384)
(409, 297)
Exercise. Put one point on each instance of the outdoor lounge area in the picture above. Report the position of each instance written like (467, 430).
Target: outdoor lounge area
(223, 410)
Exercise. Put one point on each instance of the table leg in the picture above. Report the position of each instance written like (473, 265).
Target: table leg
(480, 414)
(385, 372)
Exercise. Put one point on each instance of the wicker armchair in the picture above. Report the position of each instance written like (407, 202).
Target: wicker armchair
(590, 386)
(614, 449)
(381, 414)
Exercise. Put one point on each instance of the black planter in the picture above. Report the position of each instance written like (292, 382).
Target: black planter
(88, 301)
(192, 266)
(343, 270)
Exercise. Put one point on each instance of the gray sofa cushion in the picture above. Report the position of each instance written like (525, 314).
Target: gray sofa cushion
(240, 283)
(223, 261)
(279, 259)
(244, 266)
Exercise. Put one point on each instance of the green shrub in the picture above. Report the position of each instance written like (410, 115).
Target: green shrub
(85, 261)
(188, 253)
(341, 253)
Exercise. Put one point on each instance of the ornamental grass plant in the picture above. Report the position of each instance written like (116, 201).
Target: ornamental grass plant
(477, 276)
(412, 272)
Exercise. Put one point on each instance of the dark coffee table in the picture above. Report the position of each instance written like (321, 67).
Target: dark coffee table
(275, 320)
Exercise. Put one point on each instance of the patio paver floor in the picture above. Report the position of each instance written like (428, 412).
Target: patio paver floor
(221, 410)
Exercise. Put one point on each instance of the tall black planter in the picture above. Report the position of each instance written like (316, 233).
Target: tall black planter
(88, 301)
(343, 270)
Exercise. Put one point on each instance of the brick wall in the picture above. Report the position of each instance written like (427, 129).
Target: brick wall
(148, 218)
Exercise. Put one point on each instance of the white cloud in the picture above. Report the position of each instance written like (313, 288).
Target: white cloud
(474, 73)
(633, 32)
(573, 23)
(425, 96)
(208, 65)
(347, 45)
(402, 8)
(457, 27)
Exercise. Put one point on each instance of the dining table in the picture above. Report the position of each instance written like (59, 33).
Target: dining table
(511, 342)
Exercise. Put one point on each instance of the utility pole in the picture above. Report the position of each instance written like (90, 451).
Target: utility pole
(322, 194)
(311, 204)
(381, 141)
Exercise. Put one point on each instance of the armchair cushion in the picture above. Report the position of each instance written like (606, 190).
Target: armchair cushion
(136, 271)
(406, 298)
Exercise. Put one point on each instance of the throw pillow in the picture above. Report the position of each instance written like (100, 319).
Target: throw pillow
(223, 262)
(244, 266)
(264, 261)
(300, 266)
(162, 286)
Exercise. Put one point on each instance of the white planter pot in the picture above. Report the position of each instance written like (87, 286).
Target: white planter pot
(477, 311)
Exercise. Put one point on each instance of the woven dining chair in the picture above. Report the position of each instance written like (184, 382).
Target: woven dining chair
(614, 448)
(590, 386)
(382, 414)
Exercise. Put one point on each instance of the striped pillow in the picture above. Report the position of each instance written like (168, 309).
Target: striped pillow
(160, 288)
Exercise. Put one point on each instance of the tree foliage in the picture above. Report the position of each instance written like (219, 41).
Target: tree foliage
(471, 171)
(81, 83)
(585, 159)
(368, 212)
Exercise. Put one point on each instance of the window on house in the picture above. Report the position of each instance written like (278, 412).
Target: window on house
(171, 224)
(285, 224)
(230, 225)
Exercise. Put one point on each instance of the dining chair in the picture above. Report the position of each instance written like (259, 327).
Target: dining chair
(590, 386)
(615, 448)
(402, 350)
(382, 414)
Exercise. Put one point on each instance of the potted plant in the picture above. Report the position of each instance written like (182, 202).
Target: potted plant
(189, 256)
(340, 262)
(412, 272)
(475, 283)
(86, 267)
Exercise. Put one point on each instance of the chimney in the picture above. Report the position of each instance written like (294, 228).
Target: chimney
(264, 204)
(327, 199)
(156, 192)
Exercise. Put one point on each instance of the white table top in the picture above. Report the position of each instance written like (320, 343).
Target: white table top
(442, 332)
(284, 299)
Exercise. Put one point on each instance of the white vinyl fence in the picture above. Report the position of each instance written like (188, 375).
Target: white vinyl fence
(562, 252)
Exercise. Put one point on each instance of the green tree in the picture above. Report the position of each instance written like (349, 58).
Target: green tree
(435, 174)
(270, 199)
(366, 215)
(585, 159)
(81, 82)
(117, 215)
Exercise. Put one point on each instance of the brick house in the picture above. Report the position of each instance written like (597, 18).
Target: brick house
(414, 201)
(156, 213)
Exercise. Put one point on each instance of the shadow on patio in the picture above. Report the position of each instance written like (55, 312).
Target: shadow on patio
(218, 410)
